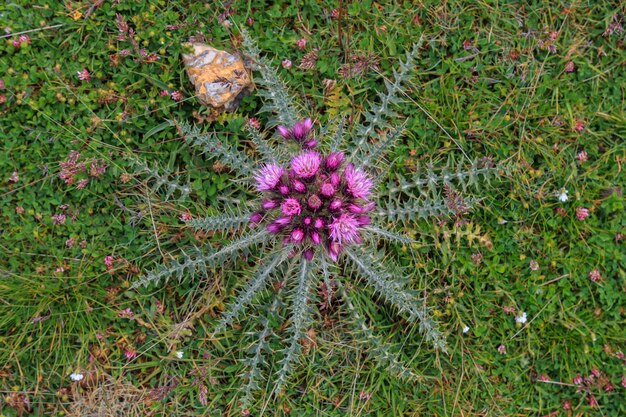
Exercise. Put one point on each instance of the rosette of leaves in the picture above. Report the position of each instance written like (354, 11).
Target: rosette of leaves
(317, 213)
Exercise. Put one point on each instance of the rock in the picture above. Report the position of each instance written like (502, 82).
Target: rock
(221, 79)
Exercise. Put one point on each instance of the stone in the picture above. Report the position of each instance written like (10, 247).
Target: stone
(220, 78)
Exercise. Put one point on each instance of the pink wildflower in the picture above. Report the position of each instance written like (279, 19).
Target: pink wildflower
(108, 261)
(534, 265)
(14, 177)
(130, 354)
(59, 218)
(578, 379)
(595, 276)
(127, 313)
(582, 213)
(582, 156)
(579, 126)
(254, 123)
(70, 242)
(502, 350)
(301, 43)
(570, 66)
(364, 396)
(84, 75)
(164, 93)
(19, 210)
(567, 405)
(177, 96)
(24, 39)
(82, 183)
(286, 63)
(185, 217)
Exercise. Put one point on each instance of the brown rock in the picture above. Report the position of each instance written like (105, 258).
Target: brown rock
(220, 78)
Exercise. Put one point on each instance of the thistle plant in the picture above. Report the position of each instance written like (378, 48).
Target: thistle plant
(317, 210)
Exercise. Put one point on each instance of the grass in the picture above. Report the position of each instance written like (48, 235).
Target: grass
(487, 84)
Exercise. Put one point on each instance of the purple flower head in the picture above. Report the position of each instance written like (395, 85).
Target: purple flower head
(299, 132)
(358, 182)
(291, 207)
(314, 202)
(334, 160)
(317, 202)
(268, 177)
(306, 164)
(310, 144)
(345, 229)
(327, 190)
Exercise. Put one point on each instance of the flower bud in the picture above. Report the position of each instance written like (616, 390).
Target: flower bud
(297, 235)
(336, 204)
(314, 202)
(310, 144)
(308, 254)
(319, 223)
(316, 238)
(283, 221)
(299, 186)
(269, 204)
(273, 228)
(284, 190)
(334, 160)
(327, 190)
(255, 218)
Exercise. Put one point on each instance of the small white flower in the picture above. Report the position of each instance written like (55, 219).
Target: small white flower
(179, 354)
(563, 195)
(502, 221)
(521, 319)
(76, 376)
(465, 329)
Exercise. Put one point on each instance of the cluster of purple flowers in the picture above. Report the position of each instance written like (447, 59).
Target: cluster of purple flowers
(318, 201)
